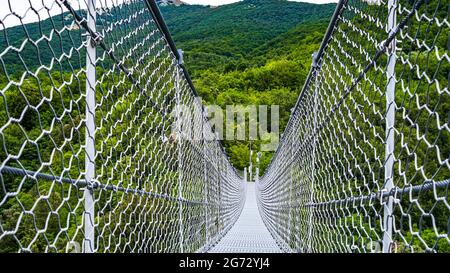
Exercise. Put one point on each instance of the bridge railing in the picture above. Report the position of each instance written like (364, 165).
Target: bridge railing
(363, 165)
(95, 151)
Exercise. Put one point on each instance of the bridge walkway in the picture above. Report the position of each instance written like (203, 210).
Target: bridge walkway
(249, 234)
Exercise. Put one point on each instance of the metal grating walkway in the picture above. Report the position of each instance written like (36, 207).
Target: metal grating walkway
(249, 234)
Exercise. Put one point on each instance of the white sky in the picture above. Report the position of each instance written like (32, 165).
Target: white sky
(46, 8)
(43, 10)
(223, 2)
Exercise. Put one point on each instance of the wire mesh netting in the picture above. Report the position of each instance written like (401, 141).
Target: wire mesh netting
(97, 156)
(94, 156)
(364, 165)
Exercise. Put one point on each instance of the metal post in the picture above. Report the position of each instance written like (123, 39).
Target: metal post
(290, 194)
(216, 189)
(390, 122)
(180, 157)
(244, 195)
(313, 162)
(245, 174)
(89, 243)
(250, 168)
(205, 177)
(258, 156)
(219, 183)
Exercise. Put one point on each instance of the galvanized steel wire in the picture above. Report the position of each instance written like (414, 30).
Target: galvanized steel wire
(363, 165)
(90, 160)
(89, 99)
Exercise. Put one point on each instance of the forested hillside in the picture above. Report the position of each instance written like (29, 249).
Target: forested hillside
(252, 52)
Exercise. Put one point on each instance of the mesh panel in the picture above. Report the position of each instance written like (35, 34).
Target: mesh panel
(364, 165)
(94, 156)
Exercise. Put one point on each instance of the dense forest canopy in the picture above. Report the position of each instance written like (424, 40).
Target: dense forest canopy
(253, 52)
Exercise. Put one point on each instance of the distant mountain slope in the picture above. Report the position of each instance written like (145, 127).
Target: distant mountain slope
(212, 37)
(254, 52)
(250, 52)
(235, 30)
(170, 2)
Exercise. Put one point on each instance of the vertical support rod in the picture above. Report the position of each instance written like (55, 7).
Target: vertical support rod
(219, 183)
(251, 163)
(244, 195)
(257, 168)
(205, 174)
(290, 195)
(89, 236)
(313, 161)
(245, 174)
(244, 188)
(216, 190)
(390, 123)
(180, 157)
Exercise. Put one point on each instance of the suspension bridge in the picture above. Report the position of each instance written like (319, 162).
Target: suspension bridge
(94, 157)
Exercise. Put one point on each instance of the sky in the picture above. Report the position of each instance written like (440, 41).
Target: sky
(46, 8)
(223, 2)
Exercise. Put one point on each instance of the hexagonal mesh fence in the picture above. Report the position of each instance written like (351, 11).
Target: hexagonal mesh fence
(364, 165)
(96, 155)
